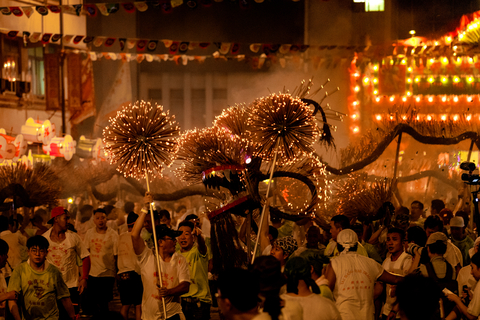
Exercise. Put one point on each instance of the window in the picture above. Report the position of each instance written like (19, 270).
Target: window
(198, 108)
(36, 71)
(374, 5)
(177, 105)
(219, 101)
(10, 63)
(371, 5)
(155, 96)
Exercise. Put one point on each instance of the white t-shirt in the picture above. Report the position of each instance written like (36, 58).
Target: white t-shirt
(453, 254)
(465, 278)
(315, 307)
(127, 260)
(174, 272)
(355, 281)
(82, 228)
(103, 247)
(113, 225)
(474, 306)
(64, 256)
(16, 244)
(400, 267)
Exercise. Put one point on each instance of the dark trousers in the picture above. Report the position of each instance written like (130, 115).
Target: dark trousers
(194, 309)
(98, 294)
(75, 297)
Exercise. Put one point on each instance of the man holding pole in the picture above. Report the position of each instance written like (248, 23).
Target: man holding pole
(173, 278)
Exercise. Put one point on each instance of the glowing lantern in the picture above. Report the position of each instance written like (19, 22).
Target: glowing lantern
(89, 148)
(61, 147)
(11, 148)
(36, 131)
(379, 117)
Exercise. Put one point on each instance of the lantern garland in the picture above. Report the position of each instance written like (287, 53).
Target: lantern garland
(141, 139)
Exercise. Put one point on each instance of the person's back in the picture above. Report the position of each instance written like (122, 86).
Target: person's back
(355, 281)
(302, 289)
(315, 306)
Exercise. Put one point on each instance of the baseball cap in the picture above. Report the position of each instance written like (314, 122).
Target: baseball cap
(437, 236)
(347, 238)
(164, 231)
(57, 211)
(457, 222)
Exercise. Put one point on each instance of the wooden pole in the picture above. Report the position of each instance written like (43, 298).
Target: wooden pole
(266, 201)
(397, 155)
(159, 265)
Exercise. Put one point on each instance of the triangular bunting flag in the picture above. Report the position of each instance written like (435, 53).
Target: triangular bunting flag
(140, 58)
(98, 41)
(78, 9)
(42, 10)
(88, 39)
(77, 39)
(183, 47)
(16, 11)
(141, 6)
(173, 48)
(56, 37)
(54, 9)
(148, 57)
(166, 6)
(176, 3)
(103, 9)
(5, 11)
(46, 38)
(12, 34)
(112, 7)
(68, 38)
(254, 47)
(131, 43)
(141, 44)
(35, 37)
(68, 9)
(167, 43)
(28, 11)
(109, 42)
(235, 48)
(91, 9)
(26, 34)
(128, 7)
(224, 47)
(122, 41)
(152, 45)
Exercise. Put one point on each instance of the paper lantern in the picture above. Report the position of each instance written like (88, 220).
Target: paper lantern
(61, 147)
(90, 148)
(11, 148)
(37, 131)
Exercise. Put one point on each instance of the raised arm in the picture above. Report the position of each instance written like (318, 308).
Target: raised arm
(137, 241)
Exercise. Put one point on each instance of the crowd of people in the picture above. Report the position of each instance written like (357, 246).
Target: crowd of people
(412, 265)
